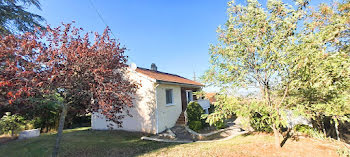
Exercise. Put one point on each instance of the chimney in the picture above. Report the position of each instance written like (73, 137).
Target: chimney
(153, 67)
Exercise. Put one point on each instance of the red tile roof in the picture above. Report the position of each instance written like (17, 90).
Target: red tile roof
(211, 97)
(162, 76)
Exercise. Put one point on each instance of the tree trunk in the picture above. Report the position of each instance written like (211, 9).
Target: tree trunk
(337, 129)
(323, 127)
(277, 137)
(288, 135)
(60, 131)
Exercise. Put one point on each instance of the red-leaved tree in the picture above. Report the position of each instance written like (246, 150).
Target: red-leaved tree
(60, 60)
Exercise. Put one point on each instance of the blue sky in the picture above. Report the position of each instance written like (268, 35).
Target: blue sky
(175, 35)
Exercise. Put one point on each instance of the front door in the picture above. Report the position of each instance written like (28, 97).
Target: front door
(189, 96)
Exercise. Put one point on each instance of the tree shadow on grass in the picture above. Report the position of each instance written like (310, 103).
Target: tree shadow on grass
(85, 143)
(6, 138)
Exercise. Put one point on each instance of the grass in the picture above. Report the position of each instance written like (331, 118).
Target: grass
(251, 145)
(85, 142)
(82, 142)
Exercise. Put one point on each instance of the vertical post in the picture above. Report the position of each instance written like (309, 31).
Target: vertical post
(185, 115)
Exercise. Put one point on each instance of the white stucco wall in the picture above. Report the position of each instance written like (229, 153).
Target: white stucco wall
(168, 114)
(144, 118)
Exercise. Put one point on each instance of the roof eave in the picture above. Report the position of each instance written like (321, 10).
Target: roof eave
(180, 84)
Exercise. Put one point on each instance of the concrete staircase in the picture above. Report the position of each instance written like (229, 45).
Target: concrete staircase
(181, 121)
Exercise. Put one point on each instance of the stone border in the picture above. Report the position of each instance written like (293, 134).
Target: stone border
(164, 140)
(207, 134)
(184, 141)
(200, 136)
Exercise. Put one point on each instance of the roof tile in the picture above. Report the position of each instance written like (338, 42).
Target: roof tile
(162, 76)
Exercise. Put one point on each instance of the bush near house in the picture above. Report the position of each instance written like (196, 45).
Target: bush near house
(194, 113)
(195, 125)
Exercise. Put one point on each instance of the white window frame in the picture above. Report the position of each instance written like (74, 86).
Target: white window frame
(172, 97)
(187, 92)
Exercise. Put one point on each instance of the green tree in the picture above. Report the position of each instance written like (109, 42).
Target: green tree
(14, 16)
(306, 69)
(253, 47)
(321, 71)
(11, 123)
(45, 111)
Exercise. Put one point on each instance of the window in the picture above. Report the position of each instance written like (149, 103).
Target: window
(169, 96)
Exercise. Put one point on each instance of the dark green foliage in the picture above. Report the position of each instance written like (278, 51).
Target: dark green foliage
(260, 122)
(47, 117)
(79, 121)
(195, 125)
(211, 108)
(304, 129)
(11, 124)
(194, 111)
(45, 112)
(309, 131)
(219, 125)
(14, 16)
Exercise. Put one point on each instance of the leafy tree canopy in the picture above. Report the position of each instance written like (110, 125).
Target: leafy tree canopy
(62, 60)
(14, 16)
(298, 58)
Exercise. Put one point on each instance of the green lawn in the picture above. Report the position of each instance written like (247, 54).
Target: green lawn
(85, 142)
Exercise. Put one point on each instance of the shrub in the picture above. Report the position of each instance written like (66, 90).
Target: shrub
(195, 125)
(309, 131)
(260, 122)
(11, 124)
(219, 125)
(194, 111)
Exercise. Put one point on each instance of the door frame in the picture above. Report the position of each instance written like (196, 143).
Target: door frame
(187, 93)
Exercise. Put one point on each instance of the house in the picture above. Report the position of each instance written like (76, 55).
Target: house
(211, 97)
(159, 103)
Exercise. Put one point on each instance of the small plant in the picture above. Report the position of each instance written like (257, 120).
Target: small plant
(195, 125)
(220, 125)
(309, 131)
(11, 124)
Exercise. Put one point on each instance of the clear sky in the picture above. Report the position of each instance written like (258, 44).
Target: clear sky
(175, 35)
